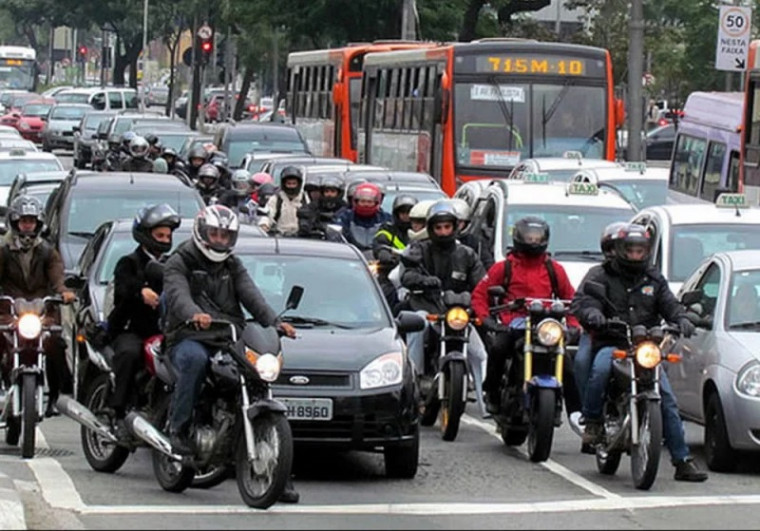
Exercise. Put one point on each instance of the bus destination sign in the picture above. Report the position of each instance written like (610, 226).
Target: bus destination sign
(538, 64)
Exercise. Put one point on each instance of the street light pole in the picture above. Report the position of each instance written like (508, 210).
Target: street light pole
(144, 53)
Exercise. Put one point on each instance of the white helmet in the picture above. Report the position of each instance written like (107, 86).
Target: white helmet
(462, 209)
(419, 213)
(215, 232)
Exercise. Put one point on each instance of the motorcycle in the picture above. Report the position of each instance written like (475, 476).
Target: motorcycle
(236, 421)
(25, 335)
(632, 410)
(530, 404)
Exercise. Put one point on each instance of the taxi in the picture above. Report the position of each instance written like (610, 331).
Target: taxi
(559, 168)
(576, 213)
(20, 160)
(684, 235)
(716, 384)
(642, 186)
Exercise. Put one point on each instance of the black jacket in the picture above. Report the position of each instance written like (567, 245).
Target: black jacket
(645, 299)
(314, 217)
(137, 165)
(130, 313)
(480, 247)
(458, 268)
(194, 284)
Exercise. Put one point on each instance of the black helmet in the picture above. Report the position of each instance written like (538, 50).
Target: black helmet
(440, 211)
(206, 173)
(331, 182)
(531, 235)
(147, 219)
(632, 235)
(312, 183)
(25, 206)
(219, 159)
(198, 152)
(291, 172)
(266, 191)
(400, 203)
(609, 234)
(151, 139)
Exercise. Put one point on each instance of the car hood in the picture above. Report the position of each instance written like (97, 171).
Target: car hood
(745, 347)
(576, 270)
(336, 349)
(32, 120)
(62, 125)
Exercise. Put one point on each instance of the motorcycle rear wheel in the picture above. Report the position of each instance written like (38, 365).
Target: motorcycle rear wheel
(211, 476)
(262, 483)
(645, 456)
(102, 455)
(541, 431)
(453, 403)
(28, 415)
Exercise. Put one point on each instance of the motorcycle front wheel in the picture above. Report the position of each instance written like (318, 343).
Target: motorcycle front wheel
(28, 415)
(645, 456)
(262, 482)
(101, 454)
(541, 430)
(453, 403)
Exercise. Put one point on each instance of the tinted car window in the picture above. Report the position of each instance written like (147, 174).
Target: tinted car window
(67, 113)
(122, 244)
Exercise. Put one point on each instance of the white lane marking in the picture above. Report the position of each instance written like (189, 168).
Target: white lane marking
(41, 441)
(57, 487)
(550, 465)
(12, 515)
(442, 509)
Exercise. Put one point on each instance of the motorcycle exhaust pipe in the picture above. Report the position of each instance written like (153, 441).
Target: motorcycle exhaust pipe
(143, 429)
(78, 412)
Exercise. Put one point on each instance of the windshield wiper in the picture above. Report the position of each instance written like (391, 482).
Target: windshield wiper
(82, 234)
(508, 116)
(747, 324)
(315, 321)
(586, 255)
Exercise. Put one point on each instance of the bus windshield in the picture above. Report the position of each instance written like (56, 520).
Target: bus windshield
(498, 123)
(17, 74)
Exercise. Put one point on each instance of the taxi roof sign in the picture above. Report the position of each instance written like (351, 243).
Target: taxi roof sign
(732, 201)
(17, 152)
(535, 178)
(580, 188)
(572, 155)
(640, 167)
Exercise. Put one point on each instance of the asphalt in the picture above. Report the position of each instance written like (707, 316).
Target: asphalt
(11, 507)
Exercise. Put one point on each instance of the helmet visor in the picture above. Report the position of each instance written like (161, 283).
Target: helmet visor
(219, 239)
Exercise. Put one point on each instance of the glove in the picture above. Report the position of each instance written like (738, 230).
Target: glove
(596, 320)
(686, 326)
(385, 257)
(431, 283)
(490, 324)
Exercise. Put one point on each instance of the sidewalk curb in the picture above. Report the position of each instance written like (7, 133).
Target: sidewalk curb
(11, 508)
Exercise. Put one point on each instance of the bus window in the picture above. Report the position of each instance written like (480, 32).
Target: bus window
(711, 182)
(687, 161)
(733, 172)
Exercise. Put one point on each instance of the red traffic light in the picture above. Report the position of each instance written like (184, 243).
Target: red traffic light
(83, 50)
(206, 46)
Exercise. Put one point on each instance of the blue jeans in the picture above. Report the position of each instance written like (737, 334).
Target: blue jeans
(189, 359)
(672, 426)
(582, 364)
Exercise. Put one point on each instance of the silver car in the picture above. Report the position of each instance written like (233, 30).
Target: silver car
(717, 384)
(58, 131)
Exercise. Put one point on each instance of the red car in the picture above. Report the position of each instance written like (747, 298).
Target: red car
(29, 120)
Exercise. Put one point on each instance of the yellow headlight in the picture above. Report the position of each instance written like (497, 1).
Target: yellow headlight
(648, 355)
(251, 356)
(549, 332)
(268, 367)
(457, 318)
(29, 326)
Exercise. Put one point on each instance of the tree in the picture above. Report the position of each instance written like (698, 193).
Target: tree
(505, 9)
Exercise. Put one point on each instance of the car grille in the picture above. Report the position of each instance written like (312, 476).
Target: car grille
(68, 133)
(322, 379)
(359, 427)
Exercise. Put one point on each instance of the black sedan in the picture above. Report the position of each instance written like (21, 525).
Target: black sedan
(346, 380)
(660, 142)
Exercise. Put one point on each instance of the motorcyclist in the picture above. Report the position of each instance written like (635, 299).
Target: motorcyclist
(312, 186)
(207, 183)
(31, 268)
(257, 180)
(119, 157)
(351, 187)
(170, 156)
(154, 151)
(360, 223)
(392, 235)
(138, 160)
(435, 265)
(464, 212)
(314, 217)
(135, 314)
(640, 295)
(528, 271)
(239, 197)
(222, 163)
(283, 207)
(418, 220)
(160, 166)
(196, 158)
(203, 281)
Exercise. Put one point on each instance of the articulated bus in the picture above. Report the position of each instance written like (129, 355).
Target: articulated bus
(18, 68)
(749, 180)
(324, 88)
(474, 110)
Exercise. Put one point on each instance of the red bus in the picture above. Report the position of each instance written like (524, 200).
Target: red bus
(324, 87)
(474, 110)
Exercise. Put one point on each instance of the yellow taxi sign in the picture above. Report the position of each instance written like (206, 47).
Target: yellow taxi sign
(579, 188)
(535, 178)
(640, 167)
(732, 201)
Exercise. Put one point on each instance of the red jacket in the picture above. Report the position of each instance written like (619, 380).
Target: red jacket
(530, 278)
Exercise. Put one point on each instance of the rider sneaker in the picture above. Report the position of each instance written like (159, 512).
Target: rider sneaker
(575, 419)
(593, 433)
(686, 470)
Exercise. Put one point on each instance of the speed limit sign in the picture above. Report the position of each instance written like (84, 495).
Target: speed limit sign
(733, 38)
(205, 32)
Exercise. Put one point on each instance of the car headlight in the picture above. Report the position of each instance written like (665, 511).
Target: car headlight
(457, 318)
(748, 380)
(268, 367)
(648, 355)
(549, 332)
(385, 370)
(29, 326)
(24, 126)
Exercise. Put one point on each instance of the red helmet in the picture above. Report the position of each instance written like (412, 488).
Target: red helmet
(364, 192)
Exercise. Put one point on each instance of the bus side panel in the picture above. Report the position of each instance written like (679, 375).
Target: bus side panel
(319, 135)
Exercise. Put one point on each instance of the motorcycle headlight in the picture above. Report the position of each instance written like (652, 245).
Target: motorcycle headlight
(29, 326)
(386, 370)
(549, 332)
(748, 380)
(648, 355)
(457, 318)
(268, 367)
(374, 267)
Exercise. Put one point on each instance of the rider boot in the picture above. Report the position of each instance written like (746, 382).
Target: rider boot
(594, 432)
(686, 470)
(180, 443)
(290, 494)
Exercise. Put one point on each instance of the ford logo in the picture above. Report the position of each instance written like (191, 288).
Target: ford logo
(299, 380)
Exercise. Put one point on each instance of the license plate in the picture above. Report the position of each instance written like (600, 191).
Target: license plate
(308, 408)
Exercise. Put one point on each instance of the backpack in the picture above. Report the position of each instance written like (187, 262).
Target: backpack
(549, 269)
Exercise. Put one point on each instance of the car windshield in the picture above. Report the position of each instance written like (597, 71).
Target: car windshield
(174, 141)
(40, 192)
(36, 109)
(9, 168)
(337, 291)
(499, 123)
(92, 121)
(421, 195)
(266, 140)
(72, 97)
(122, 244)
(89, 208)
(643, 193)
(690, 244)
(67, 113)
(743, 306)
(573, 230)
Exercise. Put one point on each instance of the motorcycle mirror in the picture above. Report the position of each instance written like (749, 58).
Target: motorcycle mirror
(638, 333)
(74, 282)
(294, 298)
(408, 322)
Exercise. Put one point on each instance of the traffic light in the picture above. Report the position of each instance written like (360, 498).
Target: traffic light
(207, 48)
(82, 53)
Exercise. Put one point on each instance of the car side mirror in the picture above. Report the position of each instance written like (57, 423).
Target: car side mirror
(690, 298)
(408, 322)
(102, 136)
(76, 129)
(74, 282)
(294, 298)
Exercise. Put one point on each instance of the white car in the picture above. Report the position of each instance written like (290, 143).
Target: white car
(559, 168)
(641, 185)
(17, 161)
(684, 235)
